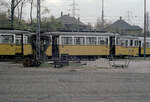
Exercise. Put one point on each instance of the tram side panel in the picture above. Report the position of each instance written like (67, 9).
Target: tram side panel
(142, 46)
(127, 46)
(7, 45)
(84, 50)
(127, 51)
(84, 46)
(7, 49)
(147, 51)
(28, 50)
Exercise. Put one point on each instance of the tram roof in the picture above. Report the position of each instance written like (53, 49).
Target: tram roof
(128, 37)
(14, 31)
(81, 33)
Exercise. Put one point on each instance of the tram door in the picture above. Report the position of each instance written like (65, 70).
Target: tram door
(140, 46)
(112, 46)
(55, 47)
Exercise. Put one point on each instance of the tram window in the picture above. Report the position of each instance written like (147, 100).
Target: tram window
(6, 39)
(66, 40)
(91, 40)
(147, 45)
(79, 40)
(142, 44)
(131, 42)
(135, 43)
(122, 43)
(102, 40)
(117, 41)
(106, 41)
(25, 40)
(18, 41)
(126, 43)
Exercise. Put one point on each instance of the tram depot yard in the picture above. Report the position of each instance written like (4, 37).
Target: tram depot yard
(88, 81)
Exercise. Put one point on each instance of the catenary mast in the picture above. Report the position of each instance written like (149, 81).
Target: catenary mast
(38, 53)
(145, 28)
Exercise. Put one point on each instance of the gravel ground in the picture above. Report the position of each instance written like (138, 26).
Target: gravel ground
(75, 83)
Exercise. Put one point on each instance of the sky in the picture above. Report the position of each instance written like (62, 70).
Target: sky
(90, 10)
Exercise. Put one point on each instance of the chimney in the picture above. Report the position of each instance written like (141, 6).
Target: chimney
(61, 14)
(78, 18)
(68, 14)
(120, 17)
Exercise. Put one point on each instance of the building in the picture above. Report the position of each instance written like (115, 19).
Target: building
(122, 27)
(72, 24)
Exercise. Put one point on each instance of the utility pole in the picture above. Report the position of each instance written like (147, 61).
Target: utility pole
(38, 53)
(12, 13)
(145, 29)
(147, 23)
(102, 18)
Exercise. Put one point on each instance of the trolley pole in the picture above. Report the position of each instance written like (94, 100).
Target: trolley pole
(145, 29)
(38, 53)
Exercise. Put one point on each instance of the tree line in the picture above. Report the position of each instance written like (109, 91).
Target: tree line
(11, 16)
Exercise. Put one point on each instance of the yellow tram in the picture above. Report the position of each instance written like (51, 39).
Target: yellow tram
(76, 45)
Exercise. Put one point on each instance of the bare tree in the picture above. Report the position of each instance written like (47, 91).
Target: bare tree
(99, 25)
(6, 6)
(32, 5)
(14, 4)
(21, 9)
(31, 11)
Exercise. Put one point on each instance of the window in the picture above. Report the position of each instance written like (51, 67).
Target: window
(6, 39)
(117, 41)
(91, 40)
(122, 43)
(18, 39)
(136, 43)
(126, 43)
(147, 45)
(66, 40)
(107, 41)
(79, 40)
(102, 40)
(131, 42)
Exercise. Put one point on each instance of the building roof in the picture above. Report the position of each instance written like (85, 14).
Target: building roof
(67, 19)
(122, 25)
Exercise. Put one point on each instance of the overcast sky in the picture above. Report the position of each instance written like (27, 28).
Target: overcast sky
(90, 10)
